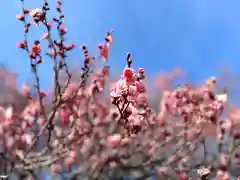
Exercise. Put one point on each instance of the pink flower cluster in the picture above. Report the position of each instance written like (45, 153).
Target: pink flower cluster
(129, 86)
(194, 102)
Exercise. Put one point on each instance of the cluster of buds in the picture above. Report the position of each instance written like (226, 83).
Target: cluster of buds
(105, 47)
(87, 58)
(35, 53)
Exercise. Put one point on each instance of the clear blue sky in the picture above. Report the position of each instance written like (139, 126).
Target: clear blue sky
(161, 34)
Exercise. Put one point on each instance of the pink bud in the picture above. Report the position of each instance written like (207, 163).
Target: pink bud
(25, 90)
(40, 121)
(20, 17)
(104, 51)
(100, 46)
(64, 116)
(113, 164)
(182, 176)
(42, 94)
(141, 70)
(27, 138)
(63, 30)
(72, 46)
(20, 45)
(45, 36)
(49, 25)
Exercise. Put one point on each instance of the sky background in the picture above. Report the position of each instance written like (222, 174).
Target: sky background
(198, 36)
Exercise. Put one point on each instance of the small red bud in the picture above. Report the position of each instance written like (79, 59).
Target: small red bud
(42, 94)
(141, 70)
(100, 46)
(63, 30)
(26, 30)
(49, 25)
(72, 46)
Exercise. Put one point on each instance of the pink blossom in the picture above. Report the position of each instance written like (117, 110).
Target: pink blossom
(114, 140)
(222, 175)
(10, 142)
(40, 121)
(27, 138)
(64, 116)
(9, 113)
(25, 90)
(128, 73)
(224, 159)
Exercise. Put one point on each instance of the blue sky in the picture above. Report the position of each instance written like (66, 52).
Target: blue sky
(196, 35)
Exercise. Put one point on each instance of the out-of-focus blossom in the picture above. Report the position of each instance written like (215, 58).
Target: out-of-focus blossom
(114, 140)
(35, 12)
(222, 175)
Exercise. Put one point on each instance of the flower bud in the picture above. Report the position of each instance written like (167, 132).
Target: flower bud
(21, 45)
(20, 17)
